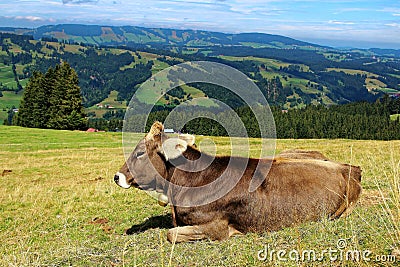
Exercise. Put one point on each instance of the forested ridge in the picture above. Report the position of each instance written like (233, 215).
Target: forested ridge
(302, 86)
(287, 77)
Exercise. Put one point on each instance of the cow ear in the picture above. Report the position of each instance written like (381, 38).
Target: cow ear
(188, 138)
(173, 148)
(156, 129)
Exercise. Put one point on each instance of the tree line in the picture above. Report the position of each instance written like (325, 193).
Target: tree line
(359, 120)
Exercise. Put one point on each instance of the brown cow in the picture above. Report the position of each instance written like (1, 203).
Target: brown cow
(297, 186)
(302, 154)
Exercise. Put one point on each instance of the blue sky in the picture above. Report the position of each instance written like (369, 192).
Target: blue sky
(359, 23)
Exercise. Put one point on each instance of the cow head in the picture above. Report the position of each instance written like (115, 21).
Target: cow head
(147, 166)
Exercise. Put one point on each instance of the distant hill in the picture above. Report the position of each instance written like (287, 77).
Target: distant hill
(107, 35)
(386, 52)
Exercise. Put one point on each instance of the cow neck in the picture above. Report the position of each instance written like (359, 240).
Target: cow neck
(192, 153)
(170, 171)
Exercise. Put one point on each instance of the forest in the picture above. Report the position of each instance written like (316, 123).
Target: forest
(358, 120)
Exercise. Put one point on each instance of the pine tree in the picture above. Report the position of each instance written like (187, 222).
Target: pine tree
(34, 103)
(53, 100)
(66, 110)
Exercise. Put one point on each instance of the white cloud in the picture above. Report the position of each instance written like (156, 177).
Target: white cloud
(80, 1)
(341, 22)
(390, 10)
(30, 18)
(296, 18)
(395, 25)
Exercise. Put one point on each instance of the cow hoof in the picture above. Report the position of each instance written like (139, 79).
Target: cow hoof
(172, 235)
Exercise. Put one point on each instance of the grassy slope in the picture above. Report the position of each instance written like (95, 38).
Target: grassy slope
(152, 94)
(7, 76)
(7, 101)
(111, 100)
(371, 82)
(61, 181)
(273, 71)
(395, 116)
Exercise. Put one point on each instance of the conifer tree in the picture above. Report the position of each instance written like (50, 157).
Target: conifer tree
(53, 100)
(34, 103)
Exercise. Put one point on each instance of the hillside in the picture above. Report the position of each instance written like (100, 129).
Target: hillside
(290, 73)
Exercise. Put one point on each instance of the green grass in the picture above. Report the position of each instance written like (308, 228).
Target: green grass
(334, 57)
(394, 116)
(389, 90)
(6, 74)
(370, 82)
(7, 101)
(10, 99)
(158, 66)
(194, 92)
(299, 83)
(271, 63)
(353, 72)
(257, 45)
(60, 207)
(142, 38)
(151, 93)
(111, 100)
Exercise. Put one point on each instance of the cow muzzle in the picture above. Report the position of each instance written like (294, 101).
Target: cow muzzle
(120, 179)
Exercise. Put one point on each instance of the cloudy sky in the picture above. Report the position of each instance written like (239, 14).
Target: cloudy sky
(360, 23)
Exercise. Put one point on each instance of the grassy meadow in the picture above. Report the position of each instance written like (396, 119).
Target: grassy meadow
(60, 207)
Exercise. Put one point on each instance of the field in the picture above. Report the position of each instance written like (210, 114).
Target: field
(394, 116)
(112, 101)
(7, 101)
(270, 63)
(60, 207)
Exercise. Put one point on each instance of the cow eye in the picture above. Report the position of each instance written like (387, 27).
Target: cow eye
(139, 154)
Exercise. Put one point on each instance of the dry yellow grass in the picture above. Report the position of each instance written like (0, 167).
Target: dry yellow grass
(60, 207)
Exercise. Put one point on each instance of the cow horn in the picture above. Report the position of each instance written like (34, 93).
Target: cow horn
(156, 129)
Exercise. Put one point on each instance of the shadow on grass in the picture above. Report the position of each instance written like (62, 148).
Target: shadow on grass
(161, 221)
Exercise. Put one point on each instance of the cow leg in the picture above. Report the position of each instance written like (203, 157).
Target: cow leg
(174, 223)
(185, 234)
(216, 230)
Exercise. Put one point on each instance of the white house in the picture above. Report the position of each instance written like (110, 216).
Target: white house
(170, 131)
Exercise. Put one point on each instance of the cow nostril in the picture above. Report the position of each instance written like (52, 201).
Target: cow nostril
(116, 178)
